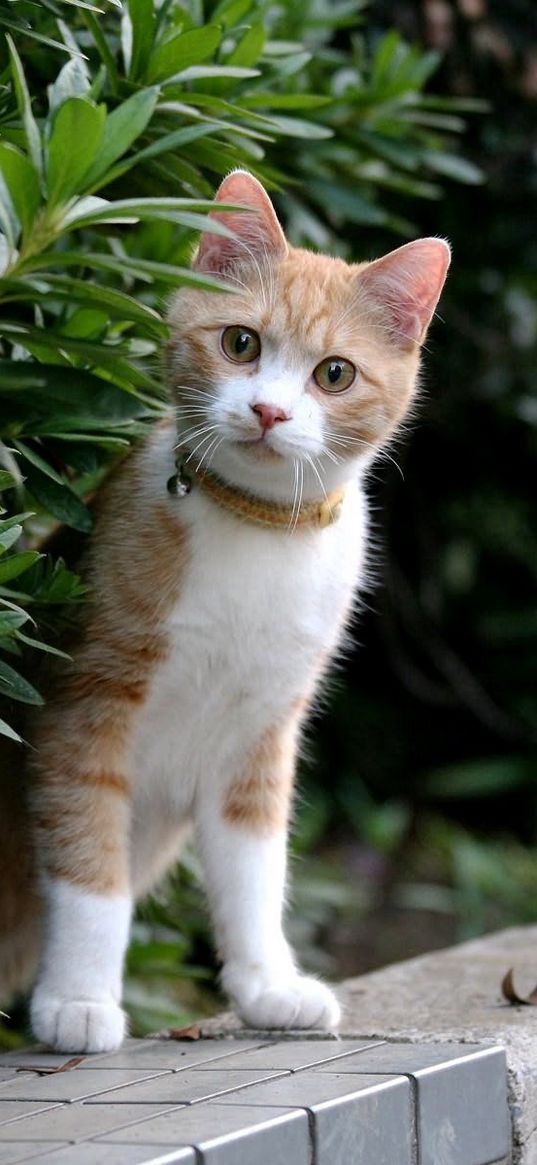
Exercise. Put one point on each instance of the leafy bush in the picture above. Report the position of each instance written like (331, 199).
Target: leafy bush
(115, 127)
(129, 117)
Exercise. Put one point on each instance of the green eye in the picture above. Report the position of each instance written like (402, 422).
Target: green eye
(334, 375)
(240, 344)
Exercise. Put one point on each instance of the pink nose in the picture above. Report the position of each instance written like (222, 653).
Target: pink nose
(269, 414)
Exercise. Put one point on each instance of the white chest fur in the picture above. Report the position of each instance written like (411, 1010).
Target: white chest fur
(258, 610)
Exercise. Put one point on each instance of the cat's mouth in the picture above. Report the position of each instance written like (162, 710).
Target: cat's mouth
(258, 447)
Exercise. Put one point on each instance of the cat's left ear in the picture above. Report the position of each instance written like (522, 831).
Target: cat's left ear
(258, 233)
(407, 284)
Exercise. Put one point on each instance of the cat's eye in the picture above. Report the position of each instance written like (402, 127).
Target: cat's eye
(241, 344)
(334, 375)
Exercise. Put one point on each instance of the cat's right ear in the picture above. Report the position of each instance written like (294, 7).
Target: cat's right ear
(258, 234)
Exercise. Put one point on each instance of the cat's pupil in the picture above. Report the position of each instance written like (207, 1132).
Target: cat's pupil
(241, 343)
(334, 373)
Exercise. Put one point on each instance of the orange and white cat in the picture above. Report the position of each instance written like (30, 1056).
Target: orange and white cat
(225, 559)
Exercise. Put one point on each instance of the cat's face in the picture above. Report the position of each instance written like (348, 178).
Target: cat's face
(311, 363)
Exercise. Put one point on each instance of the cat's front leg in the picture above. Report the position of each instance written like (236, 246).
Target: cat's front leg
(81, 819)
(76, 1003)
(243, 834)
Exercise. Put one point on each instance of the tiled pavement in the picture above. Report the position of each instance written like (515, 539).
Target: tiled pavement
(258, 1101)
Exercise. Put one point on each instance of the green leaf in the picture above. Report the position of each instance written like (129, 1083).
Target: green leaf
(6, 730)
(33, 138)
(230, 12)
(453, 166)
(170, 141)
(132, 209)
(101, 355)
(145, 269)
(296, 128)
(37, 643)
(137, 36)
(107, 56)
(22, 184)
(480, 778)
(108, 300)
(9, 536)
(206, 72)
(33, 35)
(120, 130)
(289, 66)
(81, 400)
(29, 454)
(270, 100)
(76, 134)
(10, 621)
(10, 226)
(249, 49)
(16, 687)
(59, 500)
(16, 520)
(72, 81)
(344, 202)
(7, 481)
(182, 51)
(13, 566)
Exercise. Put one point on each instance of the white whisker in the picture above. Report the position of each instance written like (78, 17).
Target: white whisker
(205, 438)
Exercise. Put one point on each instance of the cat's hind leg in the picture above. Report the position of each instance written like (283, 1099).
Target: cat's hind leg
(242, 834)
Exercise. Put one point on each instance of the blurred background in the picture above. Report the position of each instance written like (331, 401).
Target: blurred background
(416, 822)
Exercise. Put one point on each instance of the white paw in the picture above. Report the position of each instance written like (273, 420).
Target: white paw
(295, 1002)
(77, 1025)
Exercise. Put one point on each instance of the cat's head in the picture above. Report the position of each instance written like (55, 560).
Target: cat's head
(311, 362)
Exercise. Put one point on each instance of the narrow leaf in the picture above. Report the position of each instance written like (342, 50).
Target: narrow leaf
(453, 166)
(33, 138)
(11, 567)
(9, 536)
(249, 49)
(7, 730)
(76, 134)
(60, 501)
(120, 130)
(137, 36)
(72, 81)
(35, 459)
(37, 643)
(22, 183)
(182, 51)
(16, 687)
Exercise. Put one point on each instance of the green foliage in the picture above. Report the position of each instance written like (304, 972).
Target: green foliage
(114, 129)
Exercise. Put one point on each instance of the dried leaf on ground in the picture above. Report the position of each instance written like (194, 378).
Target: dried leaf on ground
(510, 992)
(46, 1071)
(193, 1032)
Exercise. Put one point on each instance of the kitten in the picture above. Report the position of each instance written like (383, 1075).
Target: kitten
(225, 559)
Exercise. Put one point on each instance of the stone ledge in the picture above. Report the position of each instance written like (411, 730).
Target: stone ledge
(454, 995)
(257, 1100)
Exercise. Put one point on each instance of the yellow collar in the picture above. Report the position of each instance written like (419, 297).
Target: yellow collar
(314, 515)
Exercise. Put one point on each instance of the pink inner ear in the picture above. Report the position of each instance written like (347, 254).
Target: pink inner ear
(258, 233)
(408, 282)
